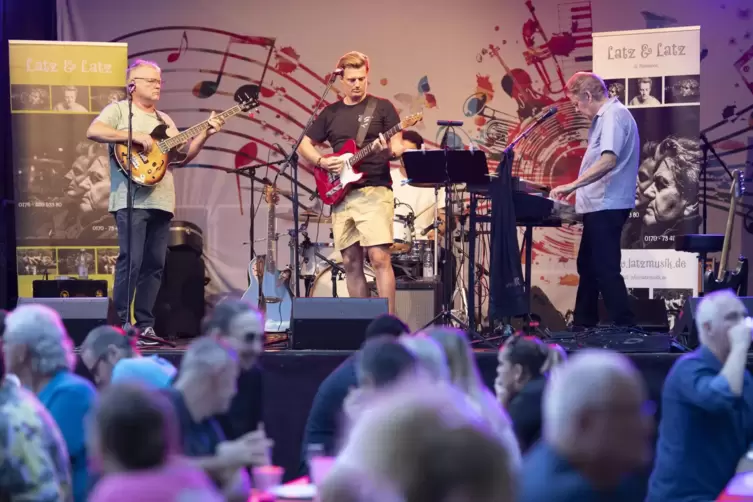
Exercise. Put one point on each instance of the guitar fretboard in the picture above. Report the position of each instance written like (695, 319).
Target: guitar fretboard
(170, 143)
(358, 157)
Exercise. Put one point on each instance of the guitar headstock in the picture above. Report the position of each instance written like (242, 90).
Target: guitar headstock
(271, 194)
(247, 102)
(737, 190)
(411, 120)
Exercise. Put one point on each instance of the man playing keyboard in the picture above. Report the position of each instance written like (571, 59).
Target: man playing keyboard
(604, 195)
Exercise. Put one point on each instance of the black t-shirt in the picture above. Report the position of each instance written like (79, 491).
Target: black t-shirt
(339, 122)
(245, 411)
(198, 439)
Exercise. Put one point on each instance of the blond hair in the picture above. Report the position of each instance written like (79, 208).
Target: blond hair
(586, 82)
(354, 59)
(139, 63)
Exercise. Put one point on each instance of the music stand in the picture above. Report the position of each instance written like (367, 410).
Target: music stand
(445, 168)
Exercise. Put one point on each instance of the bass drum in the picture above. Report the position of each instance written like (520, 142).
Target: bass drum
(322, 286)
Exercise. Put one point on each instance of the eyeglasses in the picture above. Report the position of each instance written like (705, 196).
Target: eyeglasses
(152, 81)
(250, 337)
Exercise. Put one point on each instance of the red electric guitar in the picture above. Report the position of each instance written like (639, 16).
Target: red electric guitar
(333, 188)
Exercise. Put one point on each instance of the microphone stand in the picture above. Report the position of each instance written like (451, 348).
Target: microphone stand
(129, 201)
(292, 161)
(707, 147)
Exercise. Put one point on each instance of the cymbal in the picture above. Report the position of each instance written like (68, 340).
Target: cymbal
(312, 217)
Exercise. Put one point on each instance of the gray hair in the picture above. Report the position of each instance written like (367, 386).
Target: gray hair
(41, 330)
(708, 308)
(99, 340)
(430, 355)
(596, 372)
(207, 354)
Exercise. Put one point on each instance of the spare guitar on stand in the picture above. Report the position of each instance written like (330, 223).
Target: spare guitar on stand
(736, 280)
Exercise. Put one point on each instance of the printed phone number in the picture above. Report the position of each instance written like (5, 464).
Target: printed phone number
(40, 204)
(102, 228)
(659, 238)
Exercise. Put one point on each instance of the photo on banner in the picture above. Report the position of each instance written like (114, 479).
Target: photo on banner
(656, 74)
(62, 179)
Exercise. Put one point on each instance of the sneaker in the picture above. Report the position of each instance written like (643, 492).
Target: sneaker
(145, 342)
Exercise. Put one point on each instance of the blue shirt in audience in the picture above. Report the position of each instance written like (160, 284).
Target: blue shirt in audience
(69, 397)
(704, 431)
(153, 371)
(549, 477)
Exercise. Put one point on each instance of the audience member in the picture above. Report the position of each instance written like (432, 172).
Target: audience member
(9, 377)
(112, 356)
(134, 432)
(425, 442)
(431, 357)
(242, 326)
(707, 407)
(465, 376)
(596, 432)
(34, 464)
(39, 352)
(205, 388)
(523, 367)
(324, 419)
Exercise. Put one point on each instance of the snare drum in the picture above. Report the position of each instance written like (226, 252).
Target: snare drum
(322, 286)
(311, 264)
(402, 233)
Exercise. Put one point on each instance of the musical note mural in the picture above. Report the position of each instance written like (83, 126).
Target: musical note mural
(496, 67)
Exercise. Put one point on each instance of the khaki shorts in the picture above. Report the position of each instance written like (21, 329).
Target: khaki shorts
(365, 217)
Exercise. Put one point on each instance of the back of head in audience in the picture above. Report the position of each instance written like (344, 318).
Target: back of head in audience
(2, 331)
(36, 344)
(104, 346)
(241, 325)
(386, 325)
(460, 358)
(430, 355)
(522, 359)
(426, 442)
(717, 313)
(383, 361)
(595, 411)
(209, 374)
(133, 428)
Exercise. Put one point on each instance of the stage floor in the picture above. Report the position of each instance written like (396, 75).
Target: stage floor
(291, 378)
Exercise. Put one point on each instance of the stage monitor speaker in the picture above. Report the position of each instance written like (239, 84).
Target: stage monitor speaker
(80, 315)
(333, 323)
(180, 305)
(69, 288)
(684, 328)
(418, 302)
(650, 314)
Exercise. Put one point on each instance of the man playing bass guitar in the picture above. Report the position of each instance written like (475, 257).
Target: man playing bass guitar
(363, 219)
(153, 206)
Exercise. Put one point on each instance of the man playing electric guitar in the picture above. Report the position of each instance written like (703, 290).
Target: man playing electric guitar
(363, 219)
(153, 207)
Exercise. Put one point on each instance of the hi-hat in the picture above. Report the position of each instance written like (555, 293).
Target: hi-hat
(303, 216)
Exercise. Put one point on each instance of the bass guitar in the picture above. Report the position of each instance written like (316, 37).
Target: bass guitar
(269, 289)
(332, 187)
(736, 280)
(149, 168)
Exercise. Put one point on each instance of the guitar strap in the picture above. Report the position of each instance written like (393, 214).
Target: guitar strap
(365, 121)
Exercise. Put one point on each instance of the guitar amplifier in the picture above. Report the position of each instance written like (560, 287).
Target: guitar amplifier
(69, 288)
(418, 302)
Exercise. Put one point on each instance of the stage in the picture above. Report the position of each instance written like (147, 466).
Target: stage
(291, 378)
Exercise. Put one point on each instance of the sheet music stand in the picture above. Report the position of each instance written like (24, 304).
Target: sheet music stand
(445, 168)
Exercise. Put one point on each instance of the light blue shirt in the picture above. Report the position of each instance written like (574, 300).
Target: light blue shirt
(612, 130)
(152, 371)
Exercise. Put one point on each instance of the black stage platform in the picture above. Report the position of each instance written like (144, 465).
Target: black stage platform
(292, 377)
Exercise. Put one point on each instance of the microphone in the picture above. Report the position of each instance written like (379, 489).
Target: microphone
(548, 114)
(452, 123)
(131, 87)
(428, 229)
(338, 71)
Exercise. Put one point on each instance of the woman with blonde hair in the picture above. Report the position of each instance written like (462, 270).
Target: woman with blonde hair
(465, 376)
(524, 364)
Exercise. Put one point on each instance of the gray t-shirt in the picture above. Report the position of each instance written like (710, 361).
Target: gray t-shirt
(160, 196)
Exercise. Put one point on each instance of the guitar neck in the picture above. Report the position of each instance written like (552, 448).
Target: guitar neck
(271, 230)
(727, 238)
(368, 150)
(194, 131)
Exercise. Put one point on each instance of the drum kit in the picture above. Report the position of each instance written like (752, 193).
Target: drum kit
(321, 266)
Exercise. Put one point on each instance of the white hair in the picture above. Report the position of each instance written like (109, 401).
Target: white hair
(207, 353)
(708, 309)
(587, 379)
(41, 330)
(430, 355)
